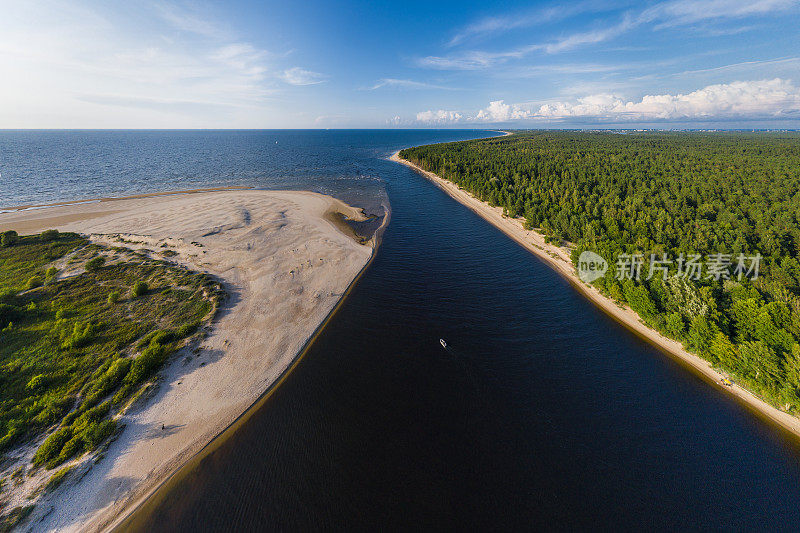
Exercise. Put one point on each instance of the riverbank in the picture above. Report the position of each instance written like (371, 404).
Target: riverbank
(558, 258)
(285, 263)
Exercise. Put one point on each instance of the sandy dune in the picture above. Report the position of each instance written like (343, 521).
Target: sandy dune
(285, 264)
(558, 258)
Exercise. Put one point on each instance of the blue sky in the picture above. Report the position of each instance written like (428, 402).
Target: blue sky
(243, 64)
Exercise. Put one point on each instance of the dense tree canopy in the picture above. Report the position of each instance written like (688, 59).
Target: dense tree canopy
(736, 194)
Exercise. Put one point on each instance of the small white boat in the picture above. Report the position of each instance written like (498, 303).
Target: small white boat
(444, 344)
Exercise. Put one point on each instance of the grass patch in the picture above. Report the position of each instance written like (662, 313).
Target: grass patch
(57, 479)
(69, 359)
(15, 516)
(96, 263)
(29, 256)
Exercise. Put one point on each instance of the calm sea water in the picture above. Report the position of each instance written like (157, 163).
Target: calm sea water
(542, 412)
(49, 166)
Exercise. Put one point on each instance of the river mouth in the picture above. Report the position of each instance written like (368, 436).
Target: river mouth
(541, 411)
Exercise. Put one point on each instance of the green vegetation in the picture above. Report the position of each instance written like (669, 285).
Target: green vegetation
(140, 288)
(665, 193)
(19, 263)
(56, 479)
(14, 517)
(9, 238)
(69, 361)
(96, 263)
(49, 235)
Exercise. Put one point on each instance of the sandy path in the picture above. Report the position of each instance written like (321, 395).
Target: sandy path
(558, 258)
(286, 266)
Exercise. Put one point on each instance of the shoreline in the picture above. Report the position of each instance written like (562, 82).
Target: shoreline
(65, 203)
(286, 266)
(558, 259)
(126, 515)
(125, 519)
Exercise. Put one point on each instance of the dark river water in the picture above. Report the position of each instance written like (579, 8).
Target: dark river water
(542, 413)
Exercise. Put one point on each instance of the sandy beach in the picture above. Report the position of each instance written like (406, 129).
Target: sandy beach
(285, 262)
(558, 258)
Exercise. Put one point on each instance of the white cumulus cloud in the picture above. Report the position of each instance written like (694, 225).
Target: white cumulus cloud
(775, 98)
(498, 111)
(439, 117)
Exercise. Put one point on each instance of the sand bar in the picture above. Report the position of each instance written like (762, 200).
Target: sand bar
(126, 197)
(558, 258)
(285, 263)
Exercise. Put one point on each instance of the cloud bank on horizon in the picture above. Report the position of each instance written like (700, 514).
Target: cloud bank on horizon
(248, 64)
(774, 99)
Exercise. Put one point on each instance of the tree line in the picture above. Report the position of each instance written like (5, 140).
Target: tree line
(677, 194)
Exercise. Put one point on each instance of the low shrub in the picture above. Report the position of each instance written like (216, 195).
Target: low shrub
(10, 438)
(56, 408)
(140, 288)
(34, 281)
(9, 238)
(109, 380)
(52, 445)
(187, 329)
(121, 394)
(57, 479)
(144, 342)
(97, 432)
(84, 434)
(49, 235)
(68, 350)
(82, 334)
(70, 450)
(163, 337)
(148, 362)
(92, 415)
(113, 297)
(95, 264)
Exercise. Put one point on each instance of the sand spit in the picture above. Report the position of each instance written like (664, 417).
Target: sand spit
(285, 264)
